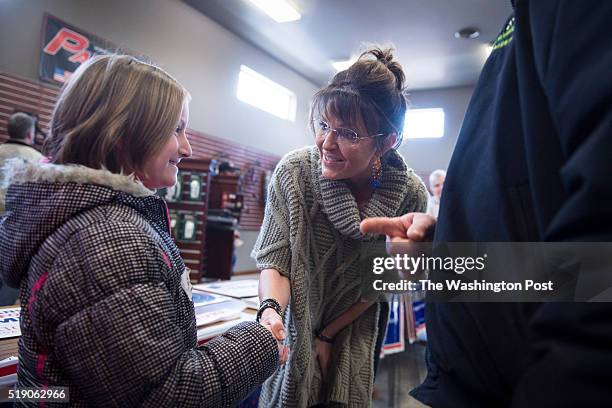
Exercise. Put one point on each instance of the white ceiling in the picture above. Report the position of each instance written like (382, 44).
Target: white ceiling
(420, 30)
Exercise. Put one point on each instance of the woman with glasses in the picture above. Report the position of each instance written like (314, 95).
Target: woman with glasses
(309, 244)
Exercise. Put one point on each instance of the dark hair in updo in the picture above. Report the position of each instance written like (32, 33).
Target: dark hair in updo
(373, 88)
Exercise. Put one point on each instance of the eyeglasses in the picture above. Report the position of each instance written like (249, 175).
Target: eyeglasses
(345, 136)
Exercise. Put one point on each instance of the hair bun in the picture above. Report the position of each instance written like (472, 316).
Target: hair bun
(385, 57)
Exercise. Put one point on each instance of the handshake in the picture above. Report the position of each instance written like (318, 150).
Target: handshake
(272, 320)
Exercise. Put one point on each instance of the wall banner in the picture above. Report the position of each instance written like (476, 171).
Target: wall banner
(65, 47)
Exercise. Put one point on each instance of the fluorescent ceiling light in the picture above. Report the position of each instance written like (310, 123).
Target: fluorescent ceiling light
(342, 65)
(280, 11)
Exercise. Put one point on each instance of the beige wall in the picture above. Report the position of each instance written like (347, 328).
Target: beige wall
(205, 57)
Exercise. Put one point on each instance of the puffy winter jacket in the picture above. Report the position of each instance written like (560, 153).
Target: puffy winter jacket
(103, 308)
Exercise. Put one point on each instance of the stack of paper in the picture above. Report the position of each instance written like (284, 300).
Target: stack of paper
(204, 299)
(211, 308)
(244, 288)
(9, 322)
(207, 332)
(252, 302)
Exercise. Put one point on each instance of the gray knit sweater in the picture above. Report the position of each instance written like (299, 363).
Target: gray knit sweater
(311, 235)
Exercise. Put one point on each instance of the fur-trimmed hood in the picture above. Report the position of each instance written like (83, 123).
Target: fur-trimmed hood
(19, 171)
(41, 197)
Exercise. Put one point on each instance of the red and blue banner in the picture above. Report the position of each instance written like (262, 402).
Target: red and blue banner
(65, 47)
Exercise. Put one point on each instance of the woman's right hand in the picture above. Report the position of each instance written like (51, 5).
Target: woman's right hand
(409, 234)
(273, 322)
(411, 227)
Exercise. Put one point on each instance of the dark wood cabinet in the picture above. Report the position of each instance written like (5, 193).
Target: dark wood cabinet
(188, 210)
(226, 194)
(225, 205)
(220, 246)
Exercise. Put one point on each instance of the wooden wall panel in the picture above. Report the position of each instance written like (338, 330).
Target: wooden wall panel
(38, 98)
(253, 163)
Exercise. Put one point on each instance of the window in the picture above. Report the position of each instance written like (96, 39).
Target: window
(265, 94)
(424, 123)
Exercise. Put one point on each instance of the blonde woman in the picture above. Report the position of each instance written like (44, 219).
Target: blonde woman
(309, 244)
(104, 312)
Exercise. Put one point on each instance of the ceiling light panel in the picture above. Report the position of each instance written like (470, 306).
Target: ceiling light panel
(281, 11)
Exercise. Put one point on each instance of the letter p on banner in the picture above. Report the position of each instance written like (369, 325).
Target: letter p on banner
(69, 40)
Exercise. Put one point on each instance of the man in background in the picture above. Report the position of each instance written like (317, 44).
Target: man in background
(436, 183)
(21, 129)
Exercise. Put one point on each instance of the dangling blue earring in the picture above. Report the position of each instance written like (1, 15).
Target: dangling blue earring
(376, 174)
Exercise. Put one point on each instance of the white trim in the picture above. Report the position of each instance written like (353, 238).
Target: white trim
(19, 171)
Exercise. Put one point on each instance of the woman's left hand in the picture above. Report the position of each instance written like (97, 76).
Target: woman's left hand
(323, 351)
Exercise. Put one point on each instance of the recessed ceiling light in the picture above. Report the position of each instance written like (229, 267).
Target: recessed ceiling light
(467, 33)
(344, 64)
(282, 11)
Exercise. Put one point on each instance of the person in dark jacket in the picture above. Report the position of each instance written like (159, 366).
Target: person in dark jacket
(532, 163)
(105, 299)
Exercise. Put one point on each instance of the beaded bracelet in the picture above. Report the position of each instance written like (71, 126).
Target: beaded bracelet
(269, 303)
(323, 337)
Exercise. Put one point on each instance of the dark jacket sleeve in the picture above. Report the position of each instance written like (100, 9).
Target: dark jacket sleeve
(570, 356)
(107, 315)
